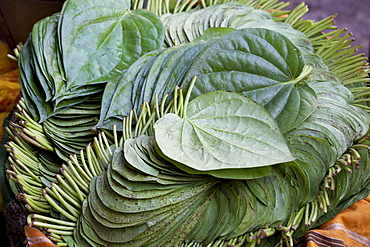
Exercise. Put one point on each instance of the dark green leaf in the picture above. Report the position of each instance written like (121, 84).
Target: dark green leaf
(101, 34)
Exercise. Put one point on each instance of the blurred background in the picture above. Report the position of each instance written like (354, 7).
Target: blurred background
(18, 16)
(352, 14)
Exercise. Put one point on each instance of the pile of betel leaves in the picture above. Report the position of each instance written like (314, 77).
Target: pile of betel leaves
(187, 123)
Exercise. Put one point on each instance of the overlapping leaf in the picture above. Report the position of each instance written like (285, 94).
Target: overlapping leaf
(260, 63)
(108, 28)
(70, 56)
(222, 130)
(335, 118)
(116, 212)
(263, 65)
(231, 162)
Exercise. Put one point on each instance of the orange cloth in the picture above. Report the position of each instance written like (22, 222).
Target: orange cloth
(349, 228)
(36, 238)
(9, 95)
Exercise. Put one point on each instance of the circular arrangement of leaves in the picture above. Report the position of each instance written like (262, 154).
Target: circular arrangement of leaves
(187, 123)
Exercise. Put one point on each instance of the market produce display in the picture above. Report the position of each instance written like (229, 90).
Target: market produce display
(187, 123)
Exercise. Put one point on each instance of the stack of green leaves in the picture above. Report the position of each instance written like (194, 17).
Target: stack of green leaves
(70, 56)
(219, 124)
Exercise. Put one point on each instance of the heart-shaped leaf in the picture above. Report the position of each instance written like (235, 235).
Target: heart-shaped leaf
(262, 64)
(101, 33)
(222, 130)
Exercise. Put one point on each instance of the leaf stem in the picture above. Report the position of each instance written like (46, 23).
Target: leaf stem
(52, 226)
(56, 189)
(78, 169)
(60, 232)
(188, 93)
(86, 169)
(58, 208)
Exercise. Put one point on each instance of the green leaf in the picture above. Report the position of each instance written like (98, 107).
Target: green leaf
(260, 63)
(31, 88)
(301, 101)
(248, 173)
(101, 33)
(257, 53)
(263, 65)
(222, 130)
(335, 118)
(117, 101)
(298, 38)
(43, 37)
(132, 157)
(214, 32)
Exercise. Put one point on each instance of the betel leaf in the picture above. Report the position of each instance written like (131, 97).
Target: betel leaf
(268, 54)
(296, 37)
(301, 101)
(227, 173)
(116, 102)
(214, 32)
(39, 36)
(262, 64)
(30, 85)
(222, 130)
(335, 120)
(135, 160)
(101, 33)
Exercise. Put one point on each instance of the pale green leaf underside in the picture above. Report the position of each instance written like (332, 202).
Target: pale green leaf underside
(222, 130)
